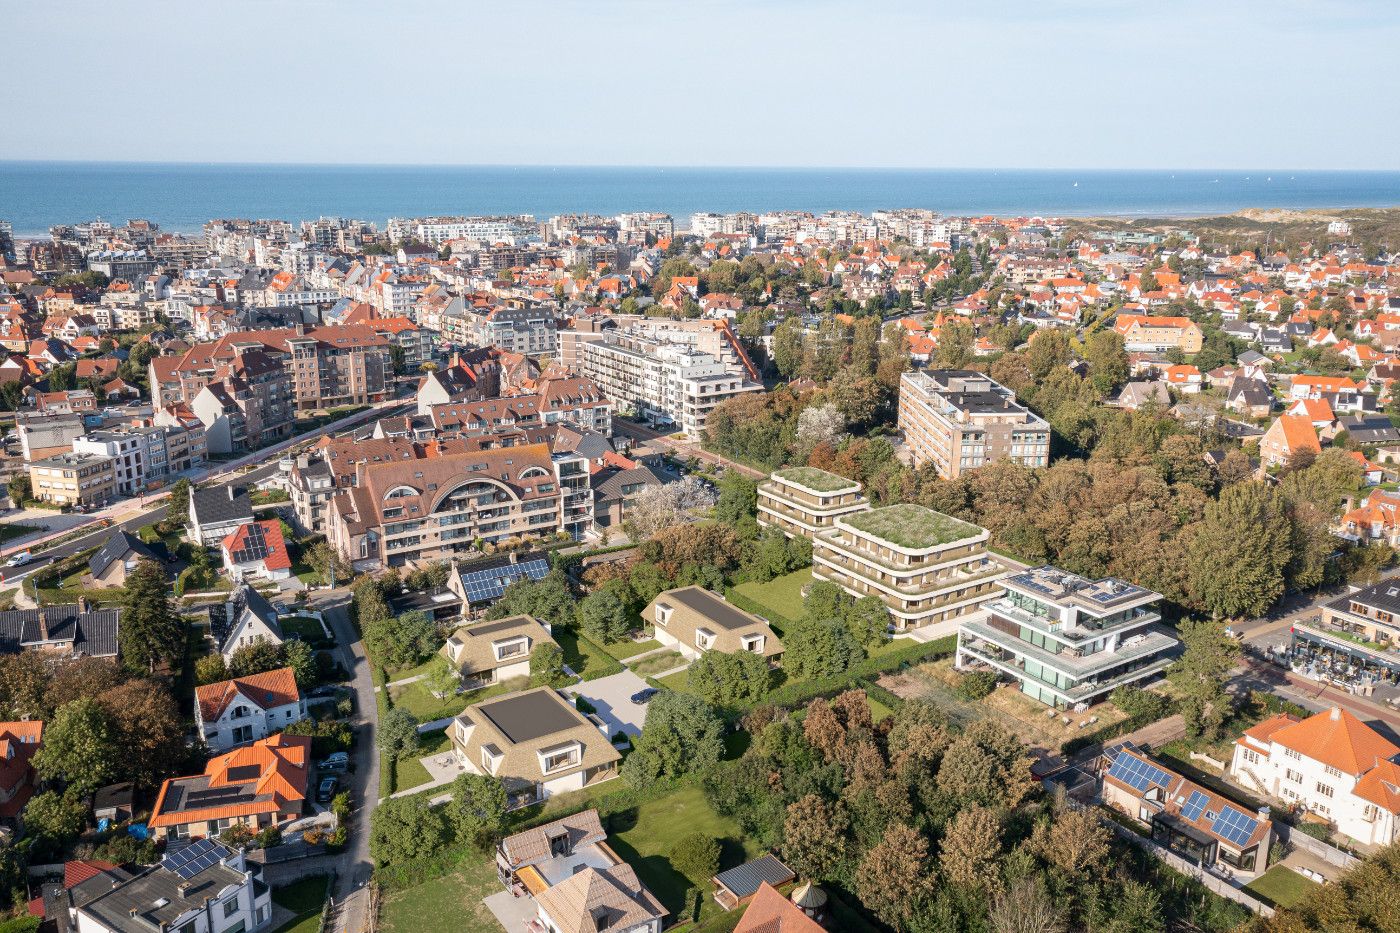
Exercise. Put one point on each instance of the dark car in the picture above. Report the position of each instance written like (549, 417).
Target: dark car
(326, 791)
(642, 696)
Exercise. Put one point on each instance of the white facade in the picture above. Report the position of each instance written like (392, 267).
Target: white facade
(243, 721)
(219, 899)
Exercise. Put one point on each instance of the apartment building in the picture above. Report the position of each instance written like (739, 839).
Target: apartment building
(665, 383)
(1330, 764)
(1144, 333)
(959, 420)
(530, 330)
(926, 567)
(1356, 641)
(248, 404)
(441, 507)
(1067, 640)
(805, 500)
(574, 400)
(74, 479)
(145, 456)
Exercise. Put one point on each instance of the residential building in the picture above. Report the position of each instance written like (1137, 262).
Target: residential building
(216, 512)
(43, 436)
(770, 912)
(257, 786)
(530, 330)
(536, 742)
(1191, 820)
(201, 888)
(477, 584)
(1288, 436)
(1067, 640)
(694, 620)
(246, 405)
(441, 506)
(559, 400)
(926, 567)
(1144, 333)
(256, 549)
(19, 743)
(74, 479)
(805, 500)
(1331, 764)
(73, 630)
(491, 652)
(117, 557)
(959, 420)
(145, 456)
(247, 709)
(245, 618)
(616, 490)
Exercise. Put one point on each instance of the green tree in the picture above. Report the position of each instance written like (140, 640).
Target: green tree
(547, 666)
(730, 679)
(696, 856)
(255, 658)
(298, 655)
(787, 347)
(548, 600)
(682, 734)
(397, 733)
(820, 648)
(603, 617)
(407, 828)
(407, 640)
(56, 818)
(868, 621)
(1200, 674)
(441, 679)
(77, 747)
(210, 669)
(1237, 557)
(1107, 359)
(20, 489)
(738, 499)
(1049, 350)
(476, 814)
(326, 561)
(151, 630)
(955, 344)
(177, 507)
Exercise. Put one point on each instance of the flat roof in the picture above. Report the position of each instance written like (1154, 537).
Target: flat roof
(712, 607)
(911, 526)
(816, 479)
(529, 716)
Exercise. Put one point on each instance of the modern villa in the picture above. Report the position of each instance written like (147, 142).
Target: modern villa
(806, 500)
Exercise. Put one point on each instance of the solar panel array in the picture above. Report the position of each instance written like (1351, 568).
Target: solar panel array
(486, 585)
(1235, 826)
(1191, 810)
(195, 858)
(1138, 774)
(254, 545)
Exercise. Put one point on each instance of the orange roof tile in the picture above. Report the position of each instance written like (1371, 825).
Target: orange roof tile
(1337, 738)
(268, 689)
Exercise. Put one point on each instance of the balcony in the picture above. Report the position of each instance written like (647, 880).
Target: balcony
(927, 581)
(1072, 633)
(1071, 663)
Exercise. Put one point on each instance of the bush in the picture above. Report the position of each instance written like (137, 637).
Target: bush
(270, 836)
(313, 837)
(583, 706)
(696, 856)
(1320, 831)
(1139, 703)
(975, 685)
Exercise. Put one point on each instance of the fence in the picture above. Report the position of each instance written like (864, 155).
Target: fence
(1290, 835)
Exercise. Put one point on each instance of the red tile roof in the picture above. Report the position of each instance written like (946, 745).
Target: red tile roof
(269, 689)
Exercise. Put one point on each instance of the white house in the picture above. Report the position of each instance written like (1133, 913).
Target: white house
(1331, 763)
(257, 549)
(246, 709)
(246, 618)
(217, 512)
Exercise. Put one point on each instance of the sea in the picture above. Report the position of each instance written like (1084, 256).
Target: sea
(181, 197)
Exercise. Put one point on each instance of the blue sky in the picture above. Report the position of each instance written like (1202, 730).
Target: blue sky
(1002, 83)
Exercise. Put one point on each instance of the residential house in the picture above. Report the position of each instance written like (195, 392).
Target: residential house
(117, 557)
(1373, 430)
(1184, 378)
(477, 584)
(536, 742)
(217, 512)
(1142, 392)
(256, 549)
(247, 709)
(616, 489)
(1287, 436)
(491, 652)
(257, 786)
(1250, 397)
(806, 500)
(245, 618)
(19, 743)
(694, 620)
(770, 912)
(73, 630)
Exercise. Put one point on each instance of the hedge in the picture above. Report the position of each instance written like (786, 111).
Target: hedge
(748, 605)
(805, 690)
(566, 561)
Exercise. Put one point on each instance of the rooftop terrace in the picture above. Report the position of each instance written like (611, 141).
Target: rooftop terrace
(911, 526)
(815, 479)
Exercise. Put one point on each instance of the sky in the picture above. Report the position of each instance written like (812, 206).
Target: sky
(890, 83)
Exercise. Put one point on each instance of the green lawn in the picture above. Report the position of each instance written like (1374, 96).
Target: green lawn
(782, 595)
(403, 673)
(583, 656)
(630, 649)
(8, 532)
(307, 629)
(1281, 886)
(409, 772)
(656, 663)
(305, 898)
(878, 710)
(444, 905)
(423, 705)
(678, 681)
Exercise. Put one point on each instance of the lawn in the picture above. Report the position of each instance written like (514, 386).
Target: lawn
(9, 532)
(444, 905)
(1281, 886)
(583, 656)
(409, 772)
(307, 629)
(630, 649)
(417, 700)
(392, 674)
(657, 663)
(305, 898)
(678, 681)
(781, 596)
(645, 836)
(911, 526)
(878, 710)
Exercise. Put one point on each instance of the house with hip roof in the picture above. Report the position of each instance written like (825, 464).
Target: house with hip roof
(246, 709)
(257, 786)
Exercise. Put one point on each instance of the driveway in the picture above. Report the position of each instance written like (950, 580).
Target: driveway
(612, 697)
(511, 912)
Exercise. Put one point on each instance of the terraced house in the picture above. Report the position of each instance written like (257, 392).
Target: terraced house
(926, 567)
(1067, 640)
(439, 506)
(801, 501)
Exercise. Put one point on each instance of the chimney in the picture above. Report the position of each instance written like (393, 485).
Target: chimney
(183, 888)
(83, 605)
(1335, 714)
(43, 624)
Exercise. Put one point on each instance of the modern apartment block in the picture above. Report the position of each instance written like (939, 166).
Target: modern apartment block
(959, 420)
(146, 456)
(530, 330)
(925, 566)
(806, 500)
(663, 382)
(440, 507)
(1067, 640)
(74, 479)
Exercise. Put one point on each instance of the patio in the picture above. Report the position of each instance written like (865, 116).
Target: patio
(514, 914)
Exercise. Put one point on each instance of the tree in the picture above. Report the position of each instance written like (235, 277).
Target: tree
(148, 729)
(547, 666)
(327, 562)
(814, 837)
(986, 765)
(667, 505)
(441, 678)
(177, 507)
(298, 655)
(55, 818)
(77, 747)
(820, 424)
(955, 344)
(1049, 350)
(892, 879)
(548, 600)
(1074, 841)
(603, 617)
(409, 639)
(730, 679)
(1107, 359)
(407, 828)
(696, 856)
(970, 848)
(1025, 907)
(1238, 554)
(256, 657)
(397, 733)
(151, 631)
(20, 489)
(682, 734)
(820, 648)
(476, 814)
(1200, 674)
(738, 499)
(787, 347)
(868, 621)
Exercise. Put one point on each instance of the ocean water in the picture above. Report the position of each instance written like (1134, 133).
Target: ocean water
(180, 197)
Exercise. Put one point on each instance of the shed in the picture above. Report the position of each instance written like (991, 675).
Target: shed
(114, 802)
(737, 886)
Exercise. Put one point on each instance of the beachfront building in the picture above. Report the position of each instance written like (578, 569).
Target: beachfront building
(959, 420)
(926, 567)
(805, 500)
(1067, 640)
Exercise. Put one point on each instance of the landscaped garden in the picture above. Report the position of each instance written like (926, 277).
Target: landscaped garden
(780, 599)
(307, 628)
(622, 650)
(305, 898)
(911, 526)
(584, 656)
(658, 663)
(815, 479)
(1281, 886)
(409, 772)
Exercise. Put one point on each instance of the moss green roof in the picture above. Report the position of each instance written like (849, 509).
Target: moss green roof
(911, 526)
(815, 479)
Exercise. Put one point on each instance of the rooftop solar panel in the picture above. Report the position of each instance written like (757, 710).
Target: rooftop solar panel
(1137, 773)
(1191, 810)
(195, 858)
(486, 585)
(1235, 826)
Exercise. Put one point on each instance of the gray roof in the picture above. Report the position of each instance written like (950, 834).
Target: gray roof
(221, 504)
(1370, 429)
(92, 633)
(224, 619)
(746, 878)
(1384, 596)
(115, 548)
(142, 893)
(529, 716)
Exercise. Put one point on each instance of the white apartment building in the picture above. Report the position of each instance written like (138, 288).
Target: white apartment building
(438, 230)
(959, 420)
(531, 331)
(145, 457)
(1331, 763)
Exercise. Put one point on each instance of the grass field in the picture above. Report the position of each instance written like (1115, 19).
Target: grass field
(585, 658)
(444, 905)
(781, 595)
(304, 898)
(630, 649)
(677, 681)
(409, 772)
(418, 700)
(1280, 886)
(656, 663)
(9, 532)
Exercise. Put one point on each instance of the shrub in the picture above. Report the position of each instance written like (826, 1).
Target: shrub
(976, 685)
(313, 837)
(268, 837)
(696, 856)
(583, 706)
(1320, 831)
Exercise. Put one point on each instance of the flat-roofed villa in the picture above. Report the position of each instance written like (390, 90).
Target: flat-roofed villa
(491, 652)
(926, 567)
(693, 620)
(1068, 640)
(535, 742)
(806, 500)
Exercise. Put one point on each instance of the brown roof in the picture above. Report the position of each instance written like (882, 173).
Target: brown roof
(519, 725)
(594, 900)
(694, 608)
(267, 690)
(471, 648)
(535, 845)
(770, 912)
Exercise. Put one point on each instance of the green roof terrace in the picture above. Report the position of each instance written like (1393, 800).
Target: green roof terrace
(912, 527)
(815, 479)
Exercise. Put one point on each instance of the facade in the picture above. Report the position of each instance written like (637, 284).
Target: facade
(1331, 764)
(248, 404)
(247, 709)
(492, 652)
(535, 742)
(1196, 823)
(440, 507)
(1067, 640)
(117, 557)
(1146, 334)
(244, 619)
(693, 620)
(926, 567)
(959, 420)
(145, 456)
(257, 786)
(256, 549)
(530, 330)
(805, 500)
(1356, 643)
(74, 479)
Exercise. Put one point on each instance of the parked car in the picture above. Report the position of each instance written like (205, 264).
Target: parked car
(642, 696)
(326, 791)
(20, 559)
(336, 761)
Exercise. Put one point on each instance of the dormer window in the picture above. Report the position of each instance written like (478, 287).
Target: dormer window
(560, 757)
(663, 614)
(490, 758)
(704, 639)
(512, 648)
(753, 643)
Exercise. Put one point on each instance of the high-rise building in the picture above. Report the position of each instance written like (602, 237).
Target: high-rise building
(959, 420)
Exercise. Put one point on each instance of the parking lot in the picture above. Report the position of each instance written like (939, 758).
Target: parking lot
(612, 698)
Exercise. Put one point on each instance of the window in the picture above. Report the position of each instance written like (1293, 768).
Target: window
(1293, 776)
(230, 907)
(559, 760)
(1292, 753)
(1332, 772)
(1325, 789)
